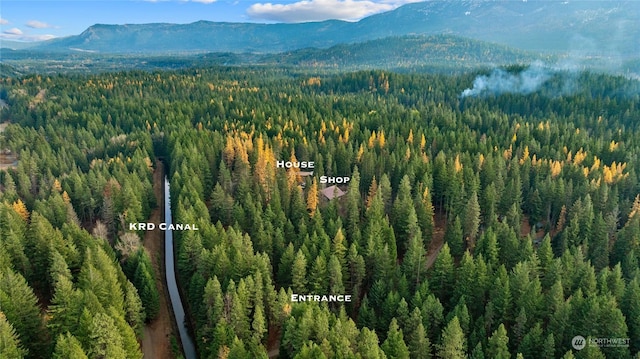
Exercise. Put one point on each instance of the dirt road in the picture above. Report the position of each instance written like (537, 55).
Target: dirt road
(156, 340)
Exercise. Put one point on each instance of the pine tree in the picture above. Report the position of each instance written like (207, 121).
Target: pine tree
(299, 273)
(477, 352)
(134, 311)
(357, 273)
(339, 249)
(490, 202)
(318, 277)
(442, 277)
(105, 339)
(549, 347)
(336, 285)
(498, 344)
(146, 285)
(452, 344)
(471, 223)
(394, 346)
(424, 212)
(630, 306)
(405, 219)
(414, 262)
(129, 340)
(286, 263)
(19, 306)
(259, 325)
(454, 238)
(419, 344)
(368, 346)
(353, 208)
(545, 254)
(10, 346)
(433, 317)
(466, 280)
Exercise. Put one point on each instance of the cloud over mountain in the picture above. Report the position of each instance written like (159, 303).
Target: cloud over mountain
(318, 10)
(35, 24)
(13, 31)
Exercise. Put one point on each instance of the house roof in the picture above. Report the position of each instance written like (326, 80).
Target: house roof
(333, 192)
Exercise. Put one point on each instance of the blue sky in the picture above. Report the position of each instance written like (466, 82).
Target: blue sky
(30, 20)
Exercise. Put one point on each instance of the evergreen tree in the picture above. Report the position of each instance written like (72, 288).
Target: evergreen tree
(414, 262)
(630, 306)
(19, 306)
(10, 346)
(299, 273)
(452, 344)
(454, 238)
(368, 345)
(144, 281)
(419, 344)
(497, 346)
(105, 339)
(68, 347)
(394, 346)
(336, 285)
(471, 220)
(443, 275)
(318, 276)
(477, 352)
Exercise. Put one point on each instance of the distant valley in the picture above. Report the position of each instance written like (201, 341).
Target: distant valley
(601, 34)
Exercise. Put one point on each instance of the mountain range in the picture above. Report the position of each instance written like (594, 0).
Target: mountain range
(591, 28)
(448, 34)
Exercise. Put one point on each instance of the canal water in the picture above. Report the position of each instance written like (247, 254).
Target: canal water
(172, 285)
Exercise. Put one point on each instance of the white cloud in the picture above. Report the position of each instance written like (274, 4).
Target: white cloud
(3, 21)
(318, 10)
(14, 31)
(200, 1)
(17, 35)
(35, 24)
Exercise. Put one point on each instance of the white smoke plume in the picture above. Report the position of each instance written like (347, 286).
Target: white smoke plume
(501, 81)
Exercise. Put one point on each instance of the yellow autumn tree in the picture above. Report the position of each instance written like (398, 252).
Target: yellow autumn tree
(264, 167)
(56, 186)
(579, 157)
(229, 152)
(312, 198)
(635, 209)
(381, 139)
(293, 175)
(360, 152)
(372, 140)
(556, 168)
(457, 164)
(525, 155)
(596, 163)
(21, 209)
(241, 150)
(345, 138)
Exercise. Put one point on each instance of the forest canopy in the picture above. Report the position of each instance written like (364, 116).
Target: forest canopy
(492, 226)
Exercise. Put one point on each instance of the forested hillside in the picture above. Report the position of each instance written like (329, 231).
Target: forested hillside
(498, 226)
